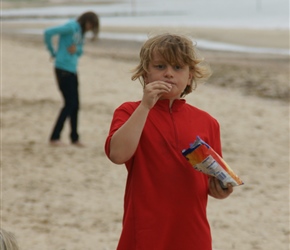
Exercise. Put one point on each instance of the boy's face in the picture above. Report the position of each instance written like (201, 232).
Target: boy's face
(161, 70)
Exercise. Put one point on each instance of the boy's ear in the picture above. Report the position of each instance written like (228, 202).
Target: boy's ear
(190, 78)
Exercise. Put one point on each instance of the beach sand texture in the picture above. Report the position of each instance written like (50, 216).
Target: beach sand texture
(72, 198)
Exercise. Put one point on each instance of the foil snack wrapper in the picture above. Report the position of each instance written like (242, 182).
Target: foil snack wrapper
(204, 159)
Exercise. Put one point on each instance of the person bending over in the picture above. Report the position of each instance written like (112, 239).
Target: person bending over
(66, 54)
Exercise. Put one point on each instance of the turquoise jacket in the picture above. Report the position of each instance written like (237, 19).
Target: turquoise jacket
(68, 34)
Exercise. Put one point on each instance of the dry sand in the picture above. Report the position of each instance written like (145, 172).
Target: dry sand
(72, 198)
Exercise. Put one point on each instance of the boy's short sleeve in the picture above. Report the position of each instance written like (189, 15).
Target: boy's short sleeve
(120, 116)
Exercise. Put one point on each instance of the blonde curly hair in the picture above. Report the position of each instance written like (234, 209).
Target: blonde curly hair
(175, 49)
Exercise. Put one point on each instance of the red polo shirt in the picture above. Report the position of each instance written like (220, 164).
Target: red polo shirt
(165, 198)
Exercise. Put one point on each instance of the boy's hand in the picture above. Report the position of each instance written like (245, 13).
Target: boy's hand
(153, 91)
(215, 190)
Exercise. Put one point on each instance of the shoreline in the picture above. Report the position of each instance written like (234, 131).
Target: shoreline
(201, 43)
(247, 37)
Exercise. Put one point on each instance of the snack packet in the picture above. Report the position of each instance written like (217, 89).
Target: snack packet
(203, 158)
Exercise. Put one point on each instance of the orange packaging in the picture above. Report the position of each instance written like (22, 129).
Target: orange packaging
(203, 158)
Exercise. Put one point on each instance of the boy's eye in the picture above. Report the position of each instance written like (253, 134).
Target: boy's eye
(159, 66)
(163, 66)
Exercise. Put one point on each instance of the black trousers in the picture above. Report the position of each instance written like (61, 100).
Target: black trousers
(68, 86)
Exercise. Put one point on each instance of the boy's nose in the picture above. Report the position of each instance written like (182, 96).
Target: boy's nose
(169, 72)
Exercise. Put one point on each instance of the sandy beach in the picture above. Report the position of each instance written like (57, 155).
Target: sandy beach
(72, 198)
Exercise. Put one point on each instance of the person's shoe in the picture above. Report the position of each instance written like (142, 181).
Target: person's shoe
(57, 143)
(78, 144)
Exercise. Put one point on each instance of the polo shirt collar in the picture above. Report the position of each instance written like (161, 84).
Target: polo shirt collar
(164, 104)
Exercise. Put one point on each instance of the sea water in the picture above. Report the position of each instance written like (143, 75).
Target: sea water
(249, 14)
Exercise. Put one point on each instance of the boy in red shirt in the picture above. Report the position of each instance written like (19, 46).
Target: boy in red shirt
(165, 198)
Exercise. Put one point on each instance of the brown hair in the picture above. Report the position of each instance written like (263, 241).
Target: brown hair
(175, 49)
(93, 19)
